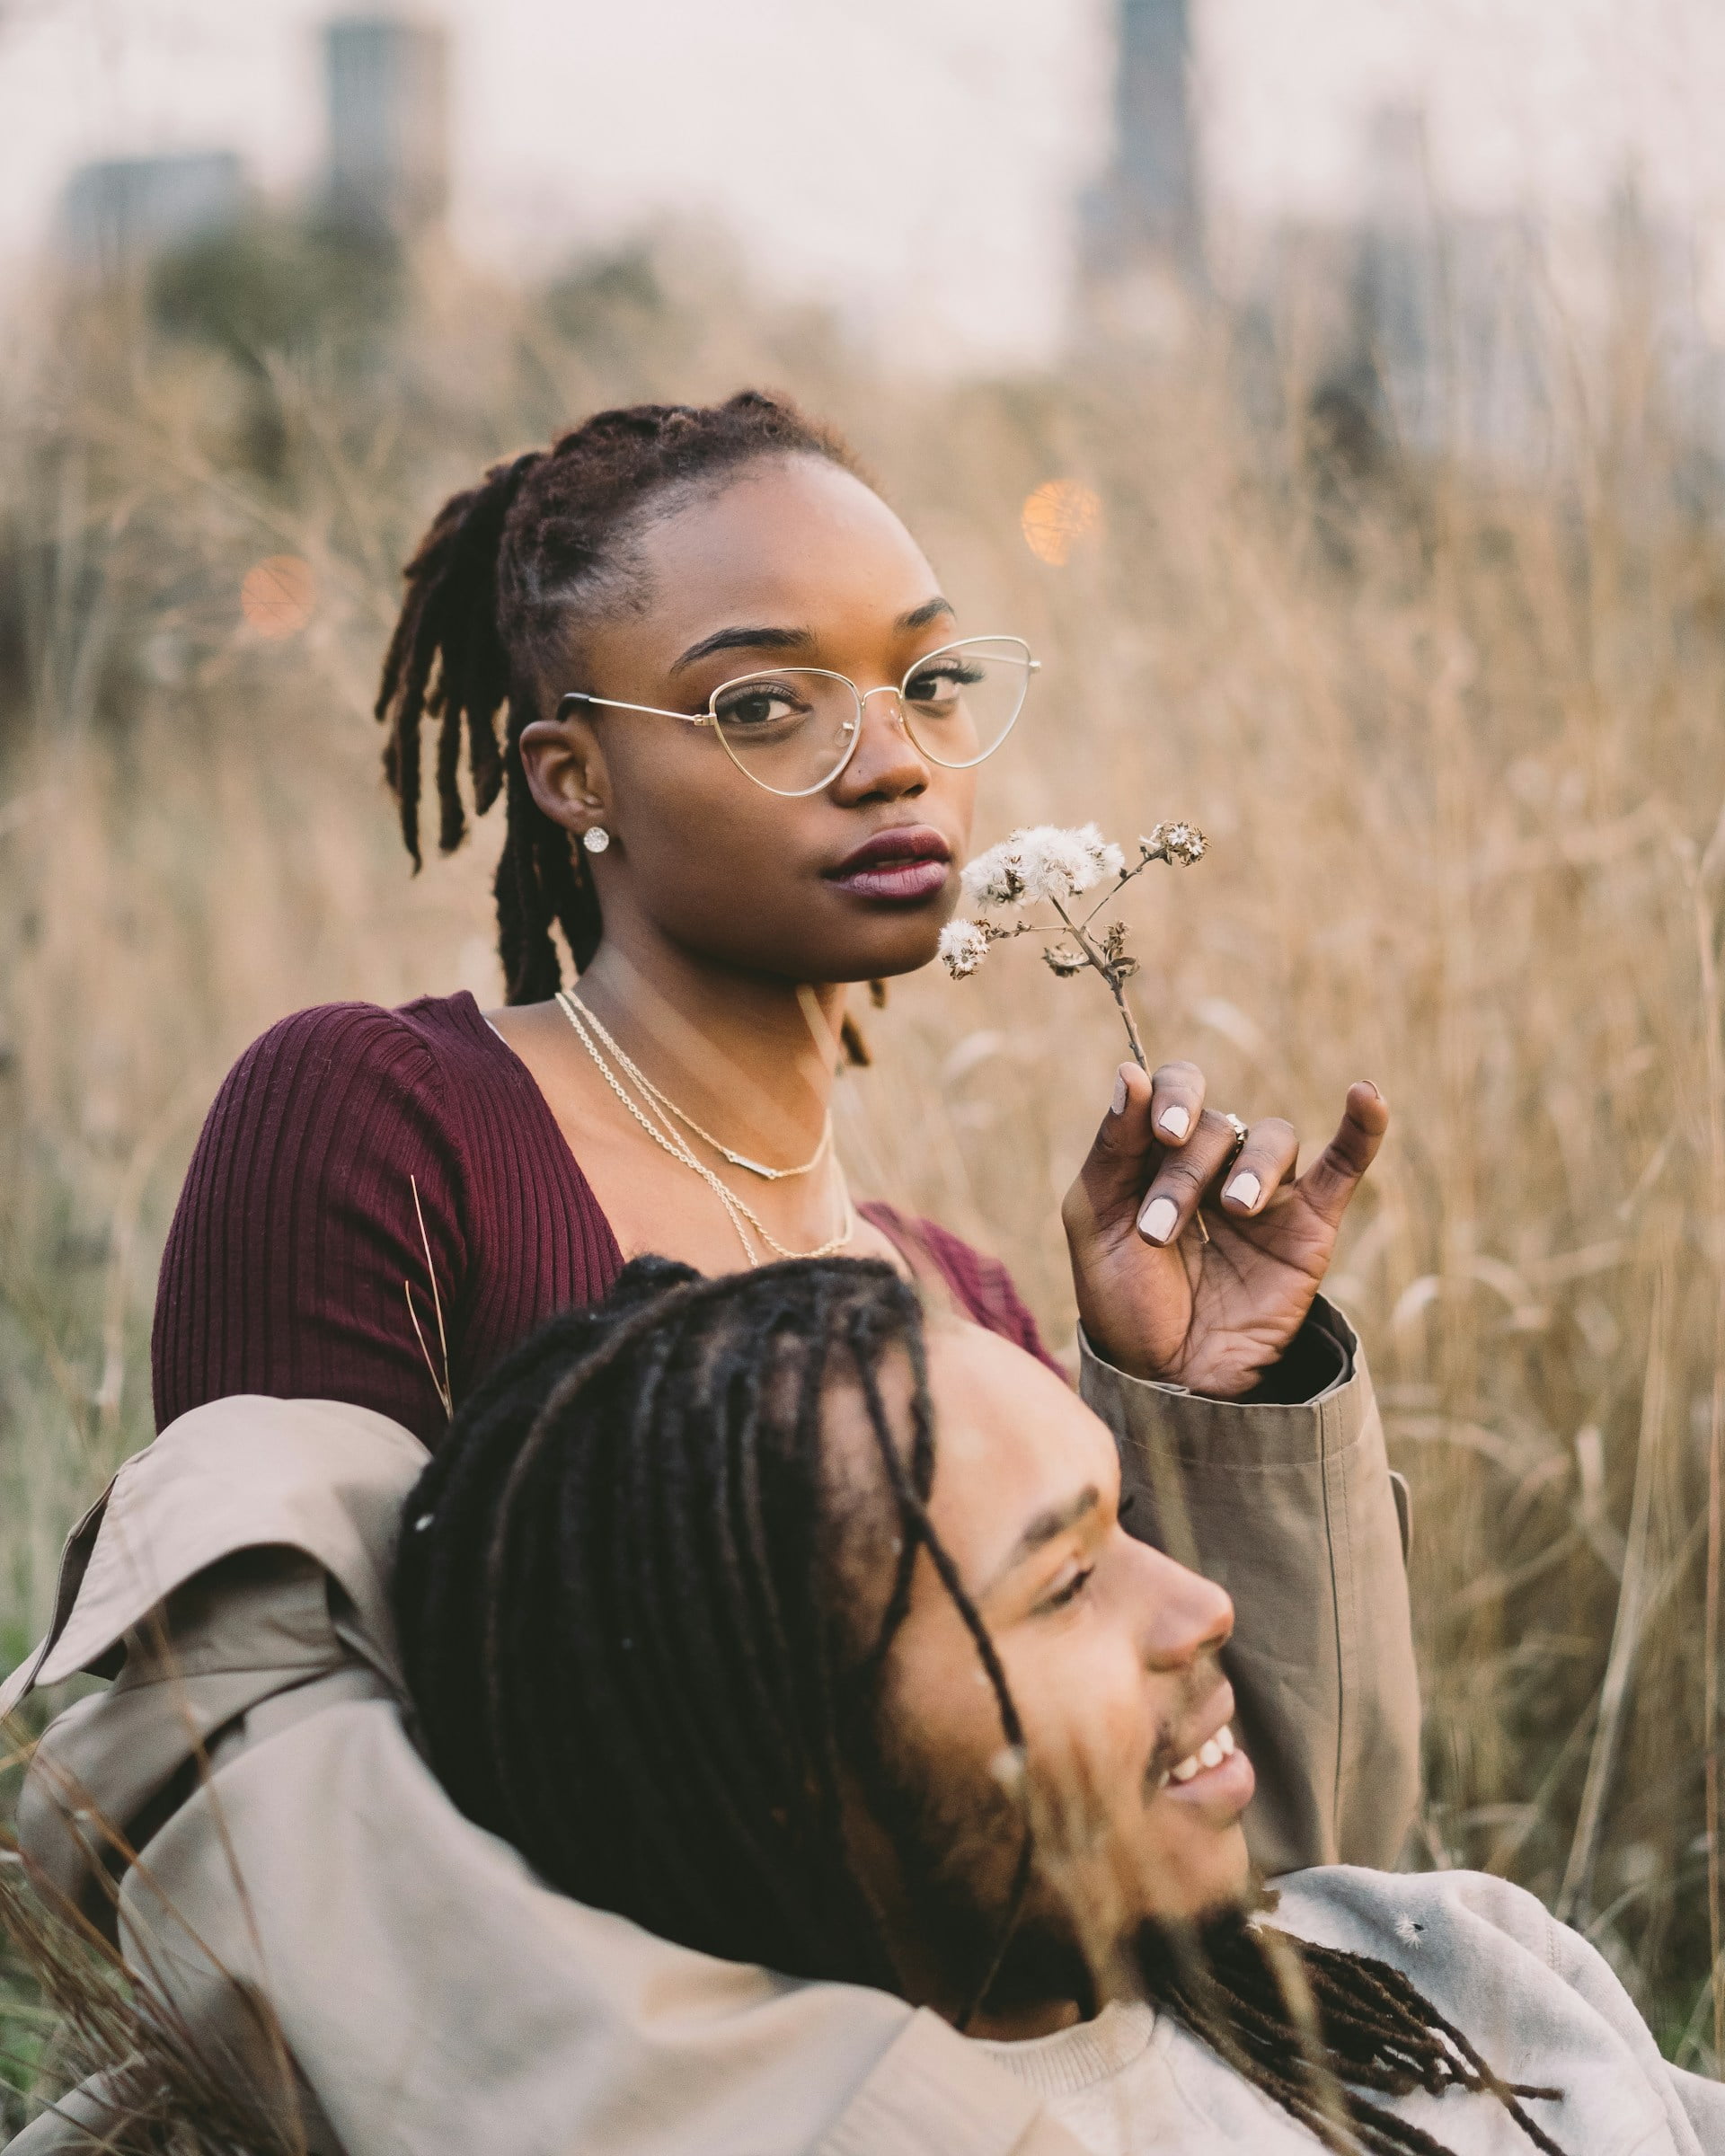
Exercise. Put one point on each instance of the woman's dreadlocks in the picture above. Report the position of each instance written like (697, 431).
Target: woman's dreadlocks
(627, 1621)
(495, 598)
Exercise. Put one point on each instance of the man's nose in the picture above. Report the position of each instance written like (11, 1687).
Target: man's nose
(887, 764)
(1185, 1615)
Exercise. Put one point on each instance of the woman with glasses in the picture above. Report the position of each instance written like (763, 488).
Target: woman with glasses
(739, 728)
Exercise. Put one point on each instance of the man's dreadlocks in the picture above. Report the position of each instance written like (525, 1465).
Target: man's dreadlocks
(626, 1627)
(496, 595)
(630, 1518)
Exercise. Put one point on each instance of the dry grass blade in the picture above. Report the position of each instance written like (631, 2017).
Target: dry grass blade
(1574, 1895)
(137, 2084)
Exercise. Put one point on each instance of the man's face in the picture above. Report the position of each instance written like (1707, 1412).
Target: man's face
(1108, 1651)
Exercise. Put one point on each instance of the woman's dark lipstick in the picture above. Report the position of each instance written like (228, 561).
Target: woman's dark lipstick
(907, 865)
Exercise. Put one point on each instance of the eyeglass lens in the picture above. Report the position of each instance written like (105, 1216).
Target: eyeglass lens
(792, 730)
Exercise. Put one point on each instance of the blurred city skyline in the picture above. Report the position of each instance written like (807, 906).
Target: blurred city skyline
(919, 167)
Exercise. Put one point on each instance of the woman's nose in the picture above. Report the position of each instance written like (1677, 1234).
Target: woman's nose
(887, 764)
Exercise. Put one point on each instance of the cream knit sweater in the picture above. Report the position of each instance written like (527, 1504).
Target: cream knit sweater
(1542, 2005)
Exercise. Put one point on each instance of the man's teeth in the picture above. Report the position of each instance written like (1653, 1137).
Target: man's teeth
(1210, 1754)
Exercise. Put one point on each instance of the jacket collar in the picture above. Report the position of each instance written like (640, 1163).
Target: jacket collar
(317, 1476)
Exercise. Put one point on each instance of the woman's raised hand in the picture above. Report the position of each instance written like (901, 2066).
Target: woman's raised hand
(1155, 1297)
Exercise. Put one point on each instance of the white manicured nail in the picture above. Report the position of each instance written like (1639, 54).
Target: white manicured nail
(1174, 1120)
(1120, 1092)
(1245, 1189)
(1157, 1219)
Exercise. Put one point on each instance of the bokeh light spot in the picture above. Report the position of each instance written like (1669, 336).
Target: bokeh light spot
(1057, 517)
(278, 596)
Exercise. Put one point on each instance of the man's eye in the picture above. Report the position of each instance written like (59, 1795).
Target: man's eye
(1069, 1590)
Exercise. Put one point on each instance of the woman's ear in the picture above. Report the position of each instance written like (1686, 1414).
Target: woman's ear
(564, 767)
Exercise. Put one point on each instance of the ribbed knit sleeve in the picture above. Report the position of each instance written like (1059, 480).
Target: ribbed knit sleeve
(297, 1242)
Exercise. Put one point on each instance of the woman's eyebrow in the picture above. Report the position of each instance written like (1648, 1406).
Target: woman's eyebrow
(793, 640)
(1053, 1520)
(744, 640)
(919, 617)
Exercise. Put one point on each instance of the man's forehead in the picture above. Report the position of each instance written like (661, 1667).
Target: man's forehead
(995, 1407)
(1012, 1441)
(986, 1387)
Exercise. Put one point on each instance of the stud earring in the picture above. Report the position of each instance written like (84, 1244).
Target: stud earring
(596, 839)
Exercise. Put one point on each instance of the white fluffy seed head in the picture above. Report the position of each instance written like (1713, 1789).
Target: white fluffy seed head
(1041, 861)
(962, 947)
(993, 877)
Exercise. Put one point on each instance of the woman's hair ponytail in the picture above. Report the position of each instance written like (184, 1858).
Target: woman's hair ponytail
(494, 593)
(448, 656)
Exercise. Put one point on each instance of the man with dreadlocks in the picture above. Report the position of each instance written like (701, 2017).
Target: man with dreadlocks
(804, 1633)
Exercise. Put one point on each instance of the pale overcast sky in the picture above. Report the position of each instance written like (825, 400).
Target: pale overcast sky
(914, 159)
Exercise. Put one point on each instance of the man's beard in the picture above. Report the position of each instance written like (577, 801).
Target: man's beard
(1168, 1959)
(959, 1852)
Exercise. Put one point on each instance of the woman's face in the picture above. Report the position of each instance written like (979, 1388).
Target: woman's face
(792, 562)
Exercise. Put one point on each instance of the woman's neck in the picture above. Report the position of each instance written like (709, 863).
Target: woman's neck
(751, 1057)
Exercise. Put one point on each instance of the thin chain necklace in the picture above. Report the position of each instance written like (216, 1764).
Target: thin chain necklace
(666, 1137)
(644, 1084)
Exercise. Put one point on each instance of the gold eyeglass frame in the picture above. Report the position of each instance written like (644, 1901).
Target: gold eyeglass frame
(709, 717)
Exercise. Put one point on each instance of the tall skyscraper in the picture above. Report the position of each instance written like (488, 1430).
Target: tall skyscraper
(389, 122)
(1147, 208)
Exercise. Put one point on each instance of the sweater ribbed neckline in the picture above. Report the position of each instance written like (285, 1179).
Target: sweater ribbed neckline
(1080, 2056)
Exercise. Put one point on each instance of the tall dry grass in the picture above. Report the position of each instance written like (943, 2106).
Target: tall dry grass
(1457, 735)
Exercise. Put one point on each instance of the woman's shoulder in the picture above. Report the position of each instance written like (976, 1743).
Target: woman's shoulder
(340, 1096)
(371, 1036)
(980, 1285)
(363, 1060)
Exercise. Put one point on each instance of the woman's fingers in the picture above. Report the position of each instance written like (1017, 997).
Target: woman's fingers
(1266, 1159)
(1130, 1150)
(1176, 1102)
(1334, 1176)
(1112, 1177)
(1182, 1176)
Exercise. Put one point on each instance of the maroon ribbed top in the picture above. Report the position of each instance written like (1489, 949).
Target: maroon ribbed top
(296, 1243)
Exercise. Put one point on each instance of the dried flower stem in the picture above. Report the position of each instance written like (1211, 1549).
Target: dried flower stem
(1077, 930)
(1125, 877)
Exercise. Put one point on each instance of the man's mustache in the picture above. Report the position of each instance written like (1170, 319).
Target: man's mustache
(1170, 1744)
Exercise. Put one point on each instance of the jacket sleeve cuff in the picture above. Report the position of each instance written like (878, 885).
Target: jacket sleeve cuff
(1274, 1424)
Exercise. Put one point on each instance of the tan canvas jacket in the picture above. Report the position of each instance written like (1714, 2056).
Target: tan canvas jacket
(337, 1940)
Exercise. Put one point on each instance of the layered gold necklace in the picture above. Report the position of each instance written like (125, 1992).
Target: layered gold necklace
(658, 1115)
